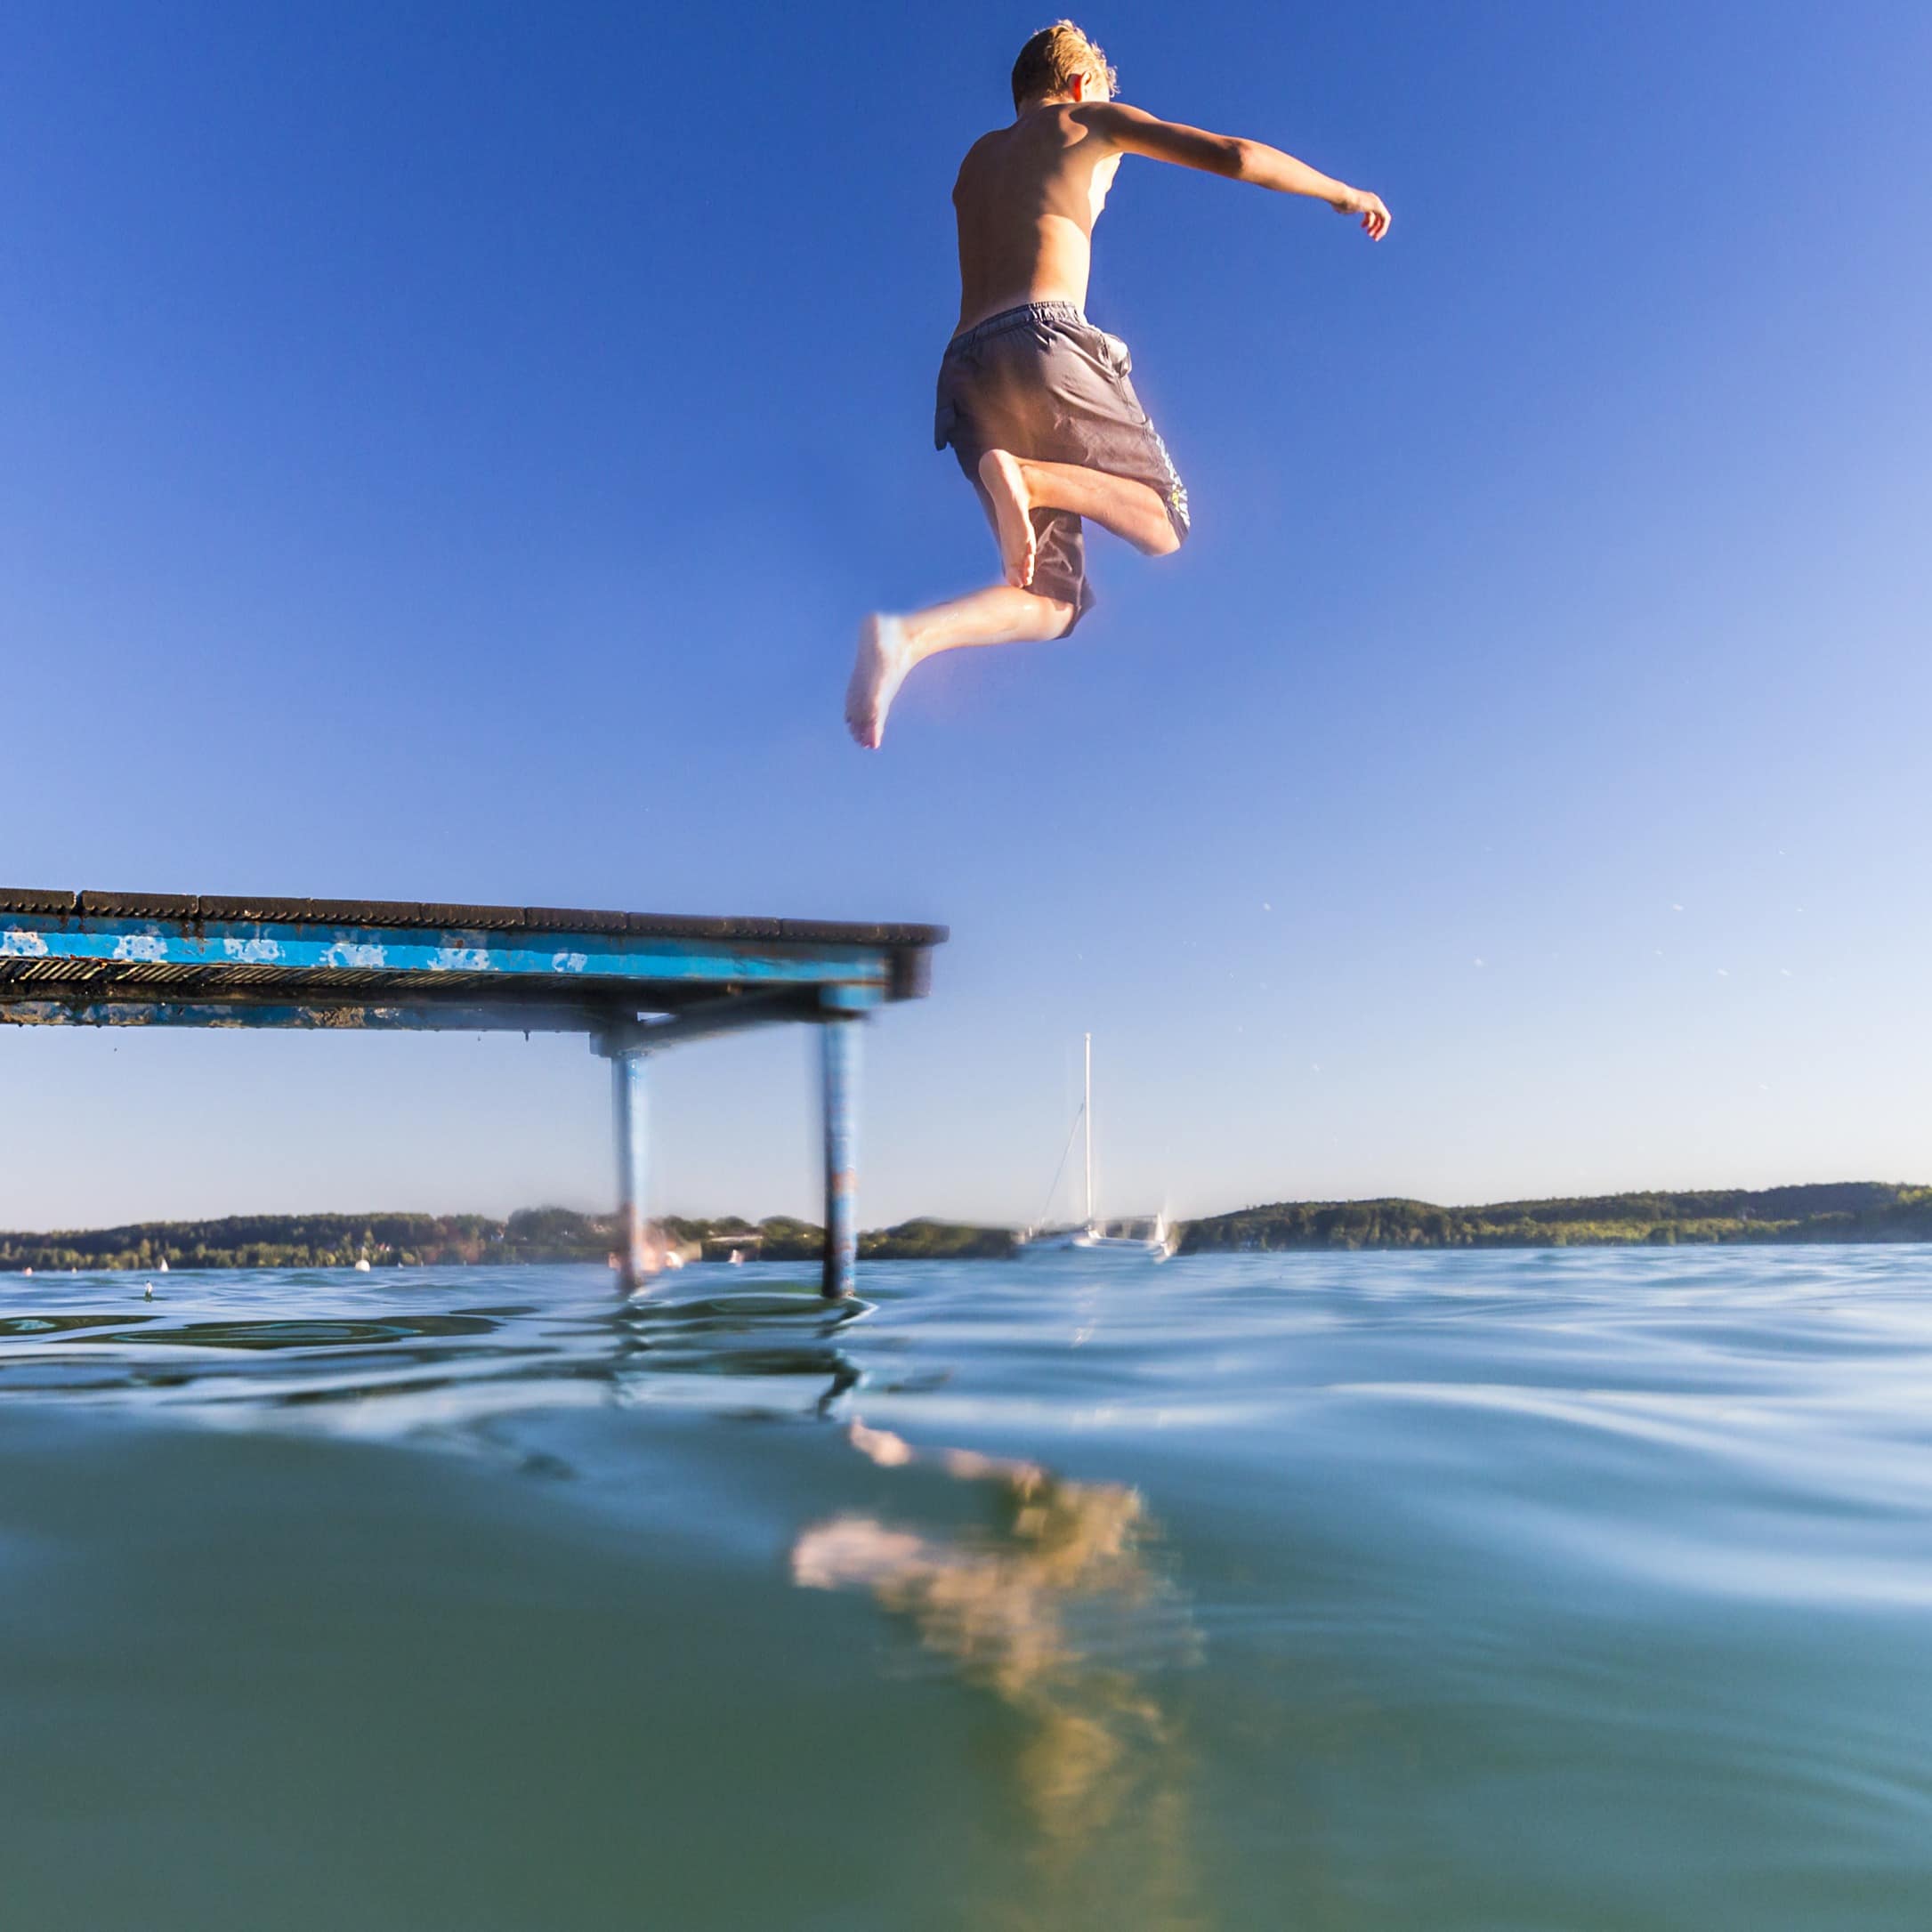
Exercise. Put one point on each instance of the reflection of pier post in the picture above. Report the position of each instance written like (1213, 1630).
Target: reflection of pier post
(839, 1035)
(630, 1095)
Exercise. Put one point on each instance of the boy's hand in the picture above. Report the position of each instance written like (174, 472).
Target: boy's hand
(1360, 201)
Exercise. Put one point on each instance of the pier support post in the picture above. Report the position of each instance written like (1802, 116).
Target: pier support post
(839, 1036)
(630, 1111)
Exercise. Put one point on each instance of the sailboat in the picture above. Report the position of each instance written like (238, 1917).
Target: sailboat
(1091, 1236)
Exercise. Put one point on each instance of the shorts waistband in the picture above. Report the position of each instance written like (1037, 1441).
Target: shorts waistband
(1020, 317)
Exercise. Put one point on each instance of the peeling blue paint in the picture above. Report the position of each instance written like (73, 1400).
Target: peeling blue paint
(590, 954)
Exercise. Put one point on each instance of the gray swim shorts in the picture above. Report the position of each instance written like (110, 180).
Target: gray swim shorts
(1041, 381)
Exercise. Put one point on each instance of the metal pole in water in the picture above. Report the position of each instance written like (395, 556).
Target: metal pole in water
(839, 1044)
(629, 1098)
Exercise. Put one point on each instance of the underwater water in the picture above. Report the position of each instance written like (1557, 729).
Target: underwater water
(1573, 1589)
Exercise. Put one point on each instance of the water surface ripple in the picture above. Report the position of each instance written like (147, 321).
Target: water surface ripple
(1579, 1589)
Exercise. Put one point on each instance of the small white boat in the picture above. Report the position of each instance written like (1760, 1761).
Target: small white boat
(1091, 1236)
(1156, 1244)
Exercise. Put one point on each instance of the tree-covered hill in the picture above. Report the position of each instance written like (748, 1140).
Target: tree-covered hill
(1833, 1211)
(547, 1234)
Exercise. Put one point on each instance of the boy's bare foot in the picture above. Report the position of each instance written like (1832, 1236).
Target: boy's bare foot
(878, 672)
(1001, 477)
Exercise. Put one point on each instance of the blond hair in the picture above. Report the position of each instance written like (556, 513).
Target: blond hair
(1049, 62)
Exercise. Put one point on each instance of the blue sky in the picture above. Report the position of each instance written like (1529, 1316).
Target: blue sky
(448, 450)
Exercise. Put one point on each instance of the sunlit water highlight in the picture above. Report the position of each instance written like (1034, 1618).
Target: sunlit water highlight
(1571, 1590)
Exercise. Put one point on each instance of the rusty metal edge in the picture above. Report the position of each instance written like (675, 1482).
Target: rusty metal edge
(194, 908)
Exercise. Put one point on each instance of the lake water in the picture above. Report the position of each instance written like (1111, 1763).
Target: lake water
(1569, 1591)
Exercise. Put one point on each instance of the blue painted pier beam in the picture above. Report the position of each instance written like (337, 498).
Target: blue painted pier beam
(635, 984)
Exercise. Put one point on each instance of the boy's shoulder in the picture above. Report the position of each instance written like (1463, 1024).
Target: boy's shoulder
(1047, 131)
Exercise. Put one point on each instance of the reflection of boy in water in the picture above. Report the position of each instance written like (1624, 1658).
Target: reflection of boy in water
(1100, 1747)
(1034, 400)
(997, 1606)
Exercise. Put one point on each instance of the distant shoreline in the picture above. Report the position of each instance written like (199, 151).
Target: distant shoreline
(1833, 1211)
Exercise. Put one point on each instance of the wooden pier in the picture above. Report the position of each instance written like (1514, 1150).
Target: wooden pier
(635, 984)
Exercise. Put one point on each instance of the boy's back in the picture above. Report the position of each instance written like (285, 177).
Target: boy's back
(1026, 198)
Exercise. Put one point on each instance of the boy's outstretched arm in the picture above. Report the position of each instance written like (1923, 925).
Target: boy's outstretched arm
(1136, 132)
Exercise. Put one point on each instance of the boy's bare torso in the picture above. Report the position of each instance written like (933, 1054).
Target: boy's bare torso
(1026, 198)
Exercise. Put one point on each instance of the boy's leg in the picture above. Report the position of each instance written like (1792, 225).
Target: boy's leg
(1017, 486)
(890, 646)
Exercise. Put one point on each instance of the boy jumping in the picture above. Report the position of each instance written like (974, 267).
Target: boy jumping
(1034, 399)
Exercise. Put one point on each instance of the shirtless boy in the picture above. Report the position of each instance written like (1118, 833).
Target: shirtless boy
(1033, 398)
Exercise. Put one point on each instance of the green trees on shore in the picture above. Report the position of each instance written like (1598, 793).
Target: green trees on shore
(388, 1241)
(1835, 1211)
(1839, 1211)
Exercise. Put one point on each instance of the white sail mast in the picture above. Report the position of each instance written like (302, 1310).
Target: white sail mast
(1088, 1110)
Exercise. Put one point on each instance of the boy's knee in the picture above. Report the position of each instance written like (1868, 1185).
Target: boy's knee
(1163, 539)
